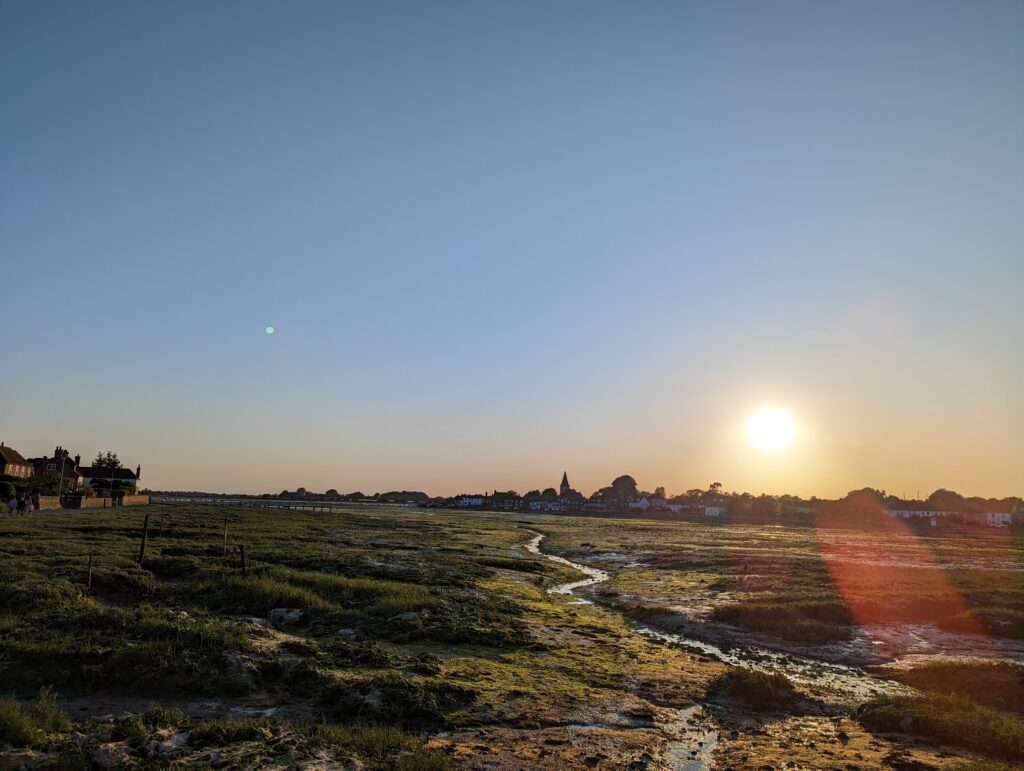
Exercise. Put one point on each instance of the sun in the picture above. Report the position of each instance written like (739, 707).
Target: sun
(770, 429)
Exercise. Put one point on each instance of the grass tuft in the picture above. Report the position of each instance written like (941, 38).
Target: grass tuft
(761, 691)
(29, 725)
(954, 720)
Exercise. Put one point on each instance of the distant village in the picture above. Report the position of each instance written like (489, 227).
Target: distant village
(60, 480)
(623, 497)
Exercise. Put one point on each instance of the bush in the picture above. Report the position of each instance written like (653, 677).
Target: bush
(810, 621)
(6, 491)
(315, 592)
(998, 684)
(954, 720)
(761, 691)
(28, 726)
(393, 699)
(1002, 622)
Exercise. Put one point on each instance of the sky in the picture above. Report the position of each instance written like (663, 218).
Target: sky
(497, 241)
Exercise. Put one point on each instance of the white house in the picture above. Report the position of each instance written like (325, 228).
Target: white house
(992, 518)
(714, 511)
(470, 501)
(100, 477)
(643, 504)
(545, 506)
(912, 513)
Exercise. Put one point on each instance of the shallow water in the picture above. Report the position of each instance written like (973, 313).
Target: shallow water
(696, 746)
(846, 681)
(593, 575)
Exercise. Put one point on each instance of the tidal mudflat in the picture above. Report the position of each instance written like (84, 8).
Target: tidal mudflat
(397, 638)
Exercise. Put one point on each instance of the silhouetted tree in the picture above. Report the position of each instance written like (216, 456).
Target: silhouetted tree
(624, 488)
(945, 500)
(107, 460)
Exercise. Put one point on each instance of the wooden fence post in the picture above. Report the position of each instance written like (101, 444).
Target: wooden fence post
(241, 554)
(225, 535)
(88, 578)
(145, 534)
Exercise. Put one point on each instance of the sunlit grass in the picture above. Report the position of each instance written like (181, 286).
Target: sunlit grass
(954, 720)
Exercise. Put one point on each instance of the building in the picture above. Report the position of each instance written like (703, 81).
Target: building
(568, 499)
(990, 518)
(643, 504)
(996, 518)
(100, 477)
(714, 511)
(12, 463)
(552, 506)
(470, 501)
(61, 463)
(508, 501)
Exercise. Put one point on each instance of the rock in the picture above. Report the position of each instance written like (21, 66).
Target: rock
(281, 616)
(407, 617)
(112, 755)
(907, 724)
(348, 634)
(209, 758)
(173, 743)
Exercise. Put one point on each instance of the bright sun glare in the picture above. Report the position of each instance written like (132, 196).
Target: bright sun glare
(770, 429)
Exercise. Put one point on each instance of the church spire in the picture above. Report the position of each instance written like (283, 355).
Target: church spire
(565, 484)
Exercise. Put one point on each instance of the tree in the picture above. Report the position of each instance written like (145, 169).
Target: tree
(624, 488)
(715, 487)
(107, 460)
(50, 483)
(550, 495)
(6, 491)
(659, 492)
(945, 500)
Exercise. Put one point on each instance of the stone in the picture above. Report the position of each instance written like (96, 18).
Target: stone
(173, 743)
(112, 755)
(282, 616)
(348, 634)
(407, 617)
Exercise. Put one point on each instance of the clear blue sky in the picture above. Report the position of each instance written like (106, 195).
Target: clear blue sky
(500, 240)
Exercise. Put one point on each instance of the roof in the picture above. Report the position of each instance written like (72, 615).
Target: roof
(106, 473)
(565, 479)
(10, 455)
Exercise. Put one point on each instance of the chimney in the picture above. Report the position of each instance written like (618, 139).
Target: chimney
(78, 460)
(138, 471)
